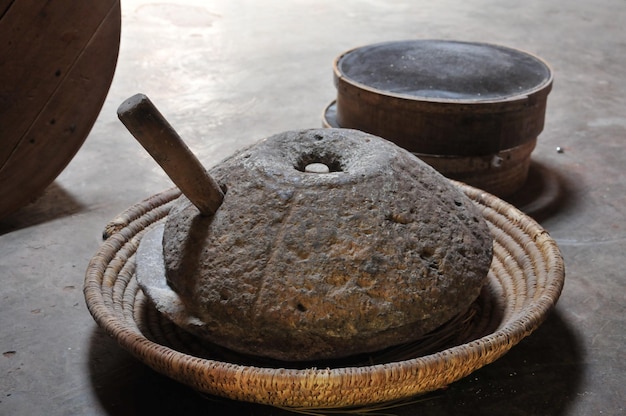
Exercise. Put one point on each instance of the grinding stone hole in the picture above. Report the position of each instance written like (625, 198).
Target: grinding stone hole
(319, 163)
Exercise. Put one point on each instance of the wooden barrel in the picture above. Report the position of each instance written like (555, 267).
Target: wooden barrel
(58, 60)
(472, 110)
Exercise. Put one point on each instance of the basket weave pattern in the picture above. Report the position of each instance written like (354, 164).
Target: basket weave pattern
(525, 281)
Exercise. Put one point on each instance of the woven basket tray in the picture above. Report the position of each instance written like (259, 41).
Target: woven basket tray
(525, 281)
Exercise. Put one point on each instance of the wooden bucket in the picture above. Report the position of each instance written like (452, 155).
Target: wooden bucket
(58, 60)
(471, 110)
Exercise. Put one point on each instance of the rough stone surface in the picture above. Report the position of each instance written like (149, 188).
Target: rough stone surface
(299, 266)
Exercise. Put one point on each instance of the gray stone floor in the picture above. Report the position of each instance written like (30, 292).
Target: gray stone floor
(226, 74)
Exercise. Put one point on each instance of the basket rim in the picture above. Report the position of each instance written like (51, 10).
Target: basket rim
(475, 354)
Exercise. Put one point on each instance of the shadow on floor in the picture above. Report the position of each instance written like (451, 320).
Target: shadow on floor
(543, 195)
(540, 376)
(54, 203)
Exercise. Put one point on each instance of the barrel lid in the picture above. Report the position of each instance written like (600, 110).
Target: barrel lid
(445, 70)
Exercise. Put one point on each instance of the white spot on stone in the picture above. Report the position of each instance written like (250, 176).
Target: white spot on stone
(316, 168)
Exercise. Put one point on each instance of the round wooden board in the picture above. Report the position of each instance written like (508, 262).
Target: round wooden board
(58, 63)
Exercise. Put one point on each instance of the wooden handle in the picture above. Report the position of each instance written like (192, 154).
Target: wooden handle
(157, 136)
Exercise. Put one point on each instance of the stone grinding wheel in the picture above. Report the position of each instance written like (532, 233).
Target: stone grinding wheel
(297, 264)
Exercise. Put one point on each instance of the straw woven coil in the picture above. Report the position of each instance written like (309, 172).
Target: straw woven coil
(525, 281)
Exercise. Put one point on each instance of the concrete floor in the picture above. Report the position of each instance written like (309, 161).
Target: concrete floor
(226, 74)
